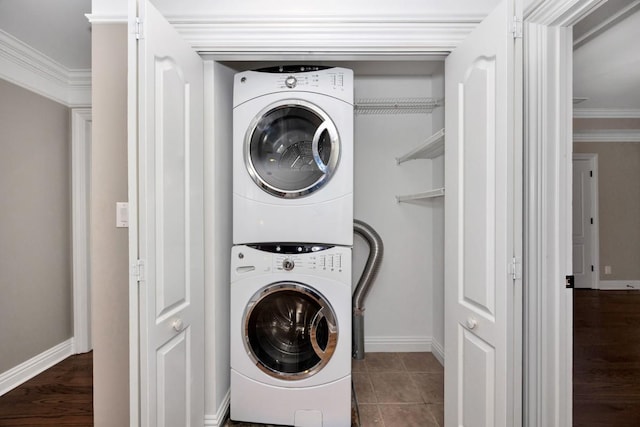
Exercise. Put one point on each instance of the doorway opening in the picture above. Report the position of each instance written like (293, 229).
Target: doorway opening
(606, 216)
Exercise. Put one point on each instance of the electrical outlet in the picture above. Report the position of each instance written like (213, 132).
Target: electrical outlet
(607, 269)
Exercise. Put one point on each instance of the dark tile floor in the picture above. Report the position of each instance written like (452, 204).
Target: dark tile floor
(395, 390)
(399, 389)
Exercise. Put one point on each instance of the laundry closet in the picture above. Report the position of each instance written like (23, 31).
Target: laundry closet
(459, 228)
(398, 190)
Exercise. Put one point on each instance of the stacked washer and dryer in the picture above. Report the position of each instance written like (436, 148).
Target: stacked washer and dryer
(292, 236)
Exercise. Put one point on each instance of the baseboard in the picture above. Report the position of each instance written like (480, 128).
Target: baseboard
(397, 344)
(619, 285)
(220, 416)
(25, 371)
(438, 351)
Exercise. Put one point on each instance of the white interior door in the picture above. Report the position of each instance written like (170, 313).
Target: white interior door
(483, 179)
(170, 226)
(584, 264)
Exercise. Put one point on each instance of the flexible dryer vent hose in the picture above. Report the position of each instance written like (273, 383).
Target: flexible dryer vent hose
(376, 250)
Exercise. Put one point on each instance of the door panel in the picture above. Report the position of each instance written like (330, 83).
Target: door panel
(171, 94)
(481, 149)
(478, 186)
(172, 371)
(478, 365)
(170, 226)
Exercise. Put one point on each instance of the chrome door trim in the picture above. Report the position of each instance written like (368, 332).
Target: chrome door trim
(327, 170)
(326, 312)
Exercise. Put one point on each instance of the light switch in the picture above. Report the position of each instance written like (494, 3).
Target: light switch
(122, 214)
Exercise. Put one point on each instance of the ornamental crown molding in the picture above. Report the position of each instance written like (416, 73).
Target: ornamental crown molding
(606, 113)
(609, 135)
(29, 68)
(559, 12)
(323, 35)
(607, 23)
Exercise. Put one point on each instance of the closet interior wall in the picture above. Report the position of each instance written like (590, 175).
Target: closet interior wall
(405, 307)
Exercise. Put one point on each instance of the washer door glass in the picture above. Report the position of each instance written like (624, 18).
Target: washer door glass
(291, 148)
(290, 330)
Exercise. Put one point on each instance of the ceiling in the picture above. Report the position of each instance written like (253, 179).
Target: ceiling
(605, 68)
(56, 28)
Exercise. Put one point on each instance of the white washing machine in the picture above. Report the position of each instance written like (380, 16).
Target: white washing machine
(293, 155)
(291, 335)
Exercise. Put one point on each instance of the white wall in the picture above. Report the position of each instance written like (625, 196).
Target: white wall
(218, 238)
(109, 245)
(437, 206)
(35, 225)
(399, 306)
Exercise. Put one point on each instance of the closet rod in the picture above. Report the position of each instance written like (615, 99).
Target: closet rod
(396, 105)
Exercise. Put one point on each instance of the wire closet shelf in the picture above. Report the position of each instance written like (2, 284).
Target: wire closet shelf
(396, 105)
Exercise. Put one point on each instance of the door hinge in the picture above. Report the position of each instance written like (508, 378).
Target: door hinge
(516, 27)
(515, 268)
(569, 280)
(138, 28)
(593, 268)
(591, 174)
(591, 221)
(137, 270)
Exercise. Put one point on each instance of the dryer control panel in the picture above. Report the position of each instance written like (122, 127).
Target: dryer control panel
(332, 81)
(328, 261)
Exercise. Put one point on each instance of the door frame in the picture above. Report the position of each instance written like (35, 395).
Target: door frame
(80, 183)
(132, 190)
(592, 158)
(548, 146)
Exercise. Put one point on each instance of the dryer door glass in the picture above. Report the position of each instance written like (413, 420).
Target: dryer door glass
(291, 149)
(290, 330)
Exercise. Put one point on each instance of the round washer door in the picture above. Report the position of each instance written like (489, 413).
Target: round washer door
(290, 330)
(291, 148)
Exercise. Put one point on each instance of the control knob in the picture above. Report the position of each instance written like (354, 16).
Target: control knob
(288, 264)
(291, 82)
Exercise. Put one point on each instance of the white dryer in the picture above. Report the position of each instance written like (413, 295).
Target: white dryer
(291, 335)
(293, 155)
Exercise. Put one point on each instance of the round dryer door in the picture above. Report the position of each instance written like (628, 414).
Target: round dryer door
(291, 148)
(290, 330)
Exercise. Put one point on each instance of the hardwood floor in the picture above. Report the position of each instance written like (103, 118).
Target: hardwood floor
(61, 396)
(391, 389)
(606, 358)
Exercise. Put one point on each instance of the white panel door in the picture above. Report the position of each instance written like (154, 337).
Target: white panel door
(482, 205)
(584, 268)
(170, 226)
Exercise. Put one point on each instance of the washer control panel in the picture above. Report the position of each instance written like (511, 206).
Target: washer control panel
(309, 262)
(328, 261)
